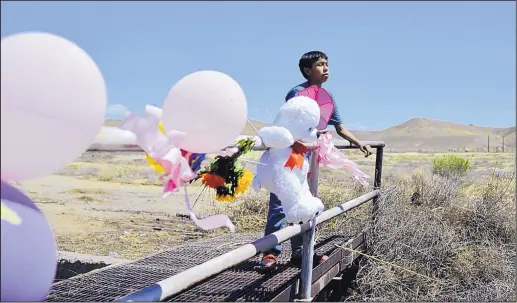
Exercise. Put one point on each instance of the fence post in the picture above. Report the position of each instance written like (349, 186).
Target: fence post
(314, 171)
(308, 236)
(377, 179)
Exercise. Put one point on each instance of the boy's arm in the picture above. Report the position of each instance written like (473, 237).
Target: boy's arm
(291, 94)
(344, 133)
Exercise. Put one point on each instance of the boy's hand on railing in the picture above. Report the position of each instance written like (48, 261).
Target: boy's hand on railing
(366, 149)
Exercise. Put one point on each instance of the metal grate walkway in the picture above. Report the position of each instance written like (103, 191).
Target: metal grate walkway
(239, 283)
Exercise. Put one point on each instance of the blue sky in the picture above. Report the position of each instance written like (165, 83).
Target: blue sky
(389, 61)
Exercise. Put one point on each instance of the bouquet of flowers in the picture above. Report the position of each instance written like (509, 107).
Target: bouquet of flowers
(226, 175)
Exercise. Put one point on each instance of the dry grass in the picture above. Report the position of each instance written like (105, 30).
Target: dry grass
(458, 232)
(463, 241)
(453, 236)
(250, 212)
(408, 163)
(110, 204)
(135, 236)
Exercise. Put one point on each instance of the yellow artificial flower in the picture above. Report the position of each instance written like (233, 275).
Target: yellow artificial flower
(157, 167)
(160, 127)
(244, 182)
(225, 198)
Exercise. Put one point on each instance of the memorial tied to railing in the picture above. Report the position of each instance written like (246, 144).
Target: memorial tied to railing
(53, 104)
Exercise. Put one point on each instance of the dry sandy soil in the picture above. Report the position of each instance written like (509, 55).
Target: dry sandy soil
(109, 204)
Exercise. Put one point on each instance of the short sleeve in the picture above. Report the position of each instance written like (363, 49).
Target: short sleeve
(291, 94)
(335, 118)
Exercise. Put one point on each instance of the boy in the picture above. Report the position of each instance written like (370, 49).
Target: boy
(314, 68)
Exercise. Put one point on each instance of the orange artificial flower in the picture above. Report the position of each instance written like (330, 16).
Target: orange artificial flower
(213, 181)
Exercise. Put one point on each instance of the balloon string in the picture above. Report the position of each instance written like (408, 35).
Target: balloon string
(211, 222)
(255, 162)
(187, 203)
(270, 115)
(249, 121)
(199, 196)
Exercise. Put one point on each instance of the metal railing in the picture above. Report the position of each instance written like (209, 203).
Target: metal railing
(164, 289)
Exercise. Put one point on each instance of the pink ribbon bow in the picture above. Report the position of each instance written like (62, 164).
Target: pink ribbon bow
(331, 157)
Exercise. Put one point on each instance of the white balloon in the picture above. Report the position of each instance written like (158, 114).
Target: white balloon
(53, 102)
(154, 111)
(210, 107)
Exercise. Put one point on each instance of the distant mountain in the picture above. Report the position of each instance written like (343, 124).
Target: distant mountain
(424, 134)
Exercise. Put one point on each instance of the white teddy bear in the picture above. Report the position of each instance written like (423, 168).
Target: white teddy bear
(283, 167)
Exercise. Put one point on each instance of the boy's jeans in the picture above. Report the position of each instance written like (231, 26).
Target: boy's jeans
(275, 221)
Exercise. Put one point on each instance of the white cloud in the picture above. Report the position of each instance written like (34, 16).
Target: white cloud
(116, 111)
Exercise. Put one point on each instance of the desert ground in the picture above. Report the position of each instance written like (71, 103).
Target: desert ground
(109, 203)
(436, 238)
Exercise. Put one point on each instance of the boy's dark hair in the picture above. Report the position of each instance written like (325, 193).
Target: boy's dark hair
(308, 59)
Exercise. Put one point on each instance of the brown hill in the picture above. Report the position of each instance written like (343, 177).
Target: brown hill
(427, 135)
(423, 134)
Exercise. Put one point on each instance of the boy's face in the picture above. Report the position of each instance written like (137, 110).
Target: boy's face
(319, 73)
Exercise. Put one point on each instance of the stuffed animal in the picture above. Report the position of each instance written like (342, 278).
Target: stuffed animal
(283, 166)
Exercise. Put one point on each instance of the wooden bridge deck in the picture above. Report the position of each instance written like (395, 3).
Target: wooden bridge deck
(239, 283)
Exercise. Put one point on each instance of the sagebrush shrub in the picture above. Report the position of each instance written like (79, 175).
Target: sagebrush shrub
(454, 245)
(448, 165)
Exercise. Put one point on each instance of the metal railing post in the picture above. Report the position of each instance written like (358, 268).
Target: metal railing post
(308, 236)
(307, 258)
(314, 171)
(377, 179)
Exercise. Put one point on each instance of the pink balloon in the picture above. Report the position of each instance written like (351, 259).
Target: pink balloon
(210, 107)
(53, 104)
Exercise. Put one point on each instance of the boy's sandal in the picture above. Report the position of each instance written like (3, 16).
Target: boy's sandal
(268, 262)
